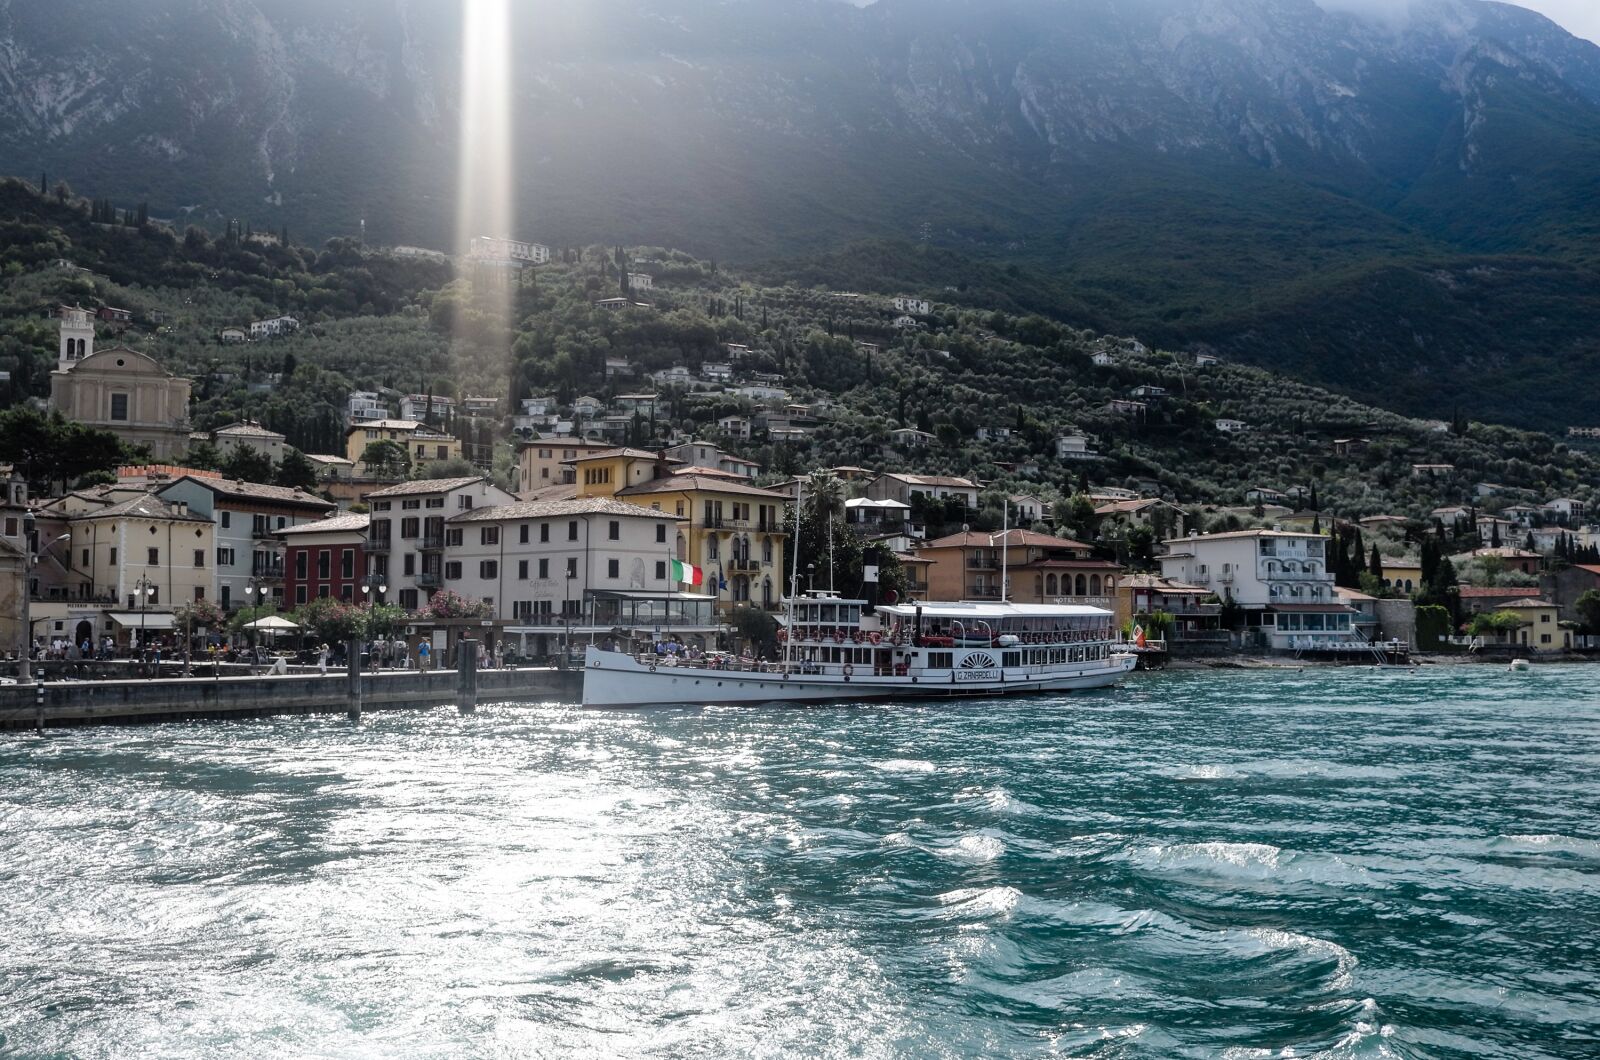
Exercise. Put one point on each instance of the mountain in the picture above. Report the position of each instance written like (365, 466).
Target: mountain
(1402, 209)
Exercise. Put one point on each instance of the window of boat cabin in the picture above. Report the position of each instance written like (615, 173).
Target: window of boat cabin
(941, 660)
(1011, 658)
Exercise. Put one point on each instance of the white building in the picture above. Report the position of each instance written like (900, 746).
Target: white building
(1231, 426)
(489, 248)
(363, 406)
(1204, 360)
(735, 427)
(763, 392)
(906, 323)
(1564, 508)
(406, 535)
(230, 336)
(716, 371)
(273, 327)
(588, 406)
(1074, 446)
(910, 438)
(421, 406)
(992, 434)
(902, 487)
(542, 564)
(677, 375)
(1103, 359)
(1280, 578)
(249, 435)
(916, 306)
(640, 281)
(1149, 390)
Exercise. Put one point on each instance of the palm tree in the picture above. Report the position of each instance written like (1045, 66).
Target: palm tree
(826, 497)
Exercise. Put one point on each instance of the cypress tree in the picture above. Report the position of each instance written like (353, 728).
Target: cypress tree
(1375, 563)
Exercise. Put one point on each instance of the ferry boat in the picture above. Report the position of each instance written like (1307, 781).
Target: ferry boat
(837, 650)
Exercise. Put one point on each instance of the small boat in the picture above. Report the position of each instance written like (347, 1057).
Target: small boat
(837, 650)
(1518, 665)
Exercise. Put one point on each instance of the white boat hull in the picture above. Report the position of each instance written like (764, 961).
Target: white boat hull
(615, 679)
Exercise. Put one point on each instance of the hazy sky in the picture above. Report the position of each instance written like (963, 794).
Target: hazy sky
(1578, 17)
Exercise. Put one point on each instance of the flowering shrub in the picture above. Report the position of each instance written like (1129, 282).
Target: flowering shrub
(446, 604)
(201, 614)
(332, 620)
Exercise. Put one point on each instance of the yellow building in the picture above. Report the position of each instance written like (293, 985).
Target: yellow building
(733, 531)
(1541, 626)
(422, 443)
(1402, 575)
(123, 566)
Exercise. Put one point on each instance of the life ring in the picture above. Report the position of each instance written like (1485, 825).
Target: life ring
(856, 636)
(838, 636)
(849, 671)
(783, 635)
(876, 637)
(652, 667)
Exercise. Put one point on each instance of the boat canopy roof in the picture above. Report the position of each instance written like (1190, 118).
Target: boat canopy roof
(990, 610)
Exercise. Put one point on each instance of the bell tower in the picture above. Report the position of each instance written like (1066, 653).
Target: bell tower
(77, 337)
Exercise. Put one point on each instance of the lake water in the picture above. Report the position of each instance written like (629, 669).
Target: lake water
(1224, 864)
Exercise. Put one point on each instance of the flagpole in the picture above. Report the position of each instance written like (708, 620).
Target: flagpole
(794, 578)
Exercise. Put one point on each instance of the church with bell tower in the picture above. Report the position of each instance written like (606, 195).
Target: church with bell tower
(118, 389)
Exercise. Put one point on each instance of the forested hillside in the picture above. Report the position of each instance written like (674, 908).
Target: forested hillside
(373, 321)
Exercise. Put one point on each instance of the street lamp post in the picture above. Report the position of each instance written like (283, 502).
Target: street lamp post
(372, 589)
(25, 666)
(811, 577)
(143, 590)
(252, 589)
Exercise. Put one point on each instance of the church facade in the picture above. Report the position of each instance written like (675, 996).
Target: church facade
(119, 389)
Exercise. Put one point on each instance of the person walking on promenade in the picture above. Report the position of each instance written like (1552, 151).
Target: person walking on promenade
(424, 656)
(322, 658)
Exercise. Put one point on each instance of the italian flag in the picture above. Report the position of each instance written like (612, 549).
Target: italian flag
(687, 575)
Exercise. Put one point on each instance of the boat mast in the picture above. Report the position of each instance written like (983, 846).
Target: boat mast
(1005, 539)
(794, 576)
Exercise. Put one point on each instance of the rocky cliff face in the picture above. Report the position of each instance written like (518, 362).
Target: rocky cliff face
(1186, 168)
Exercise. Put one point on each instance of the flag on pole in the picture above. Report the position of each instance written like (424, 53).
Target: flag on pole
(684, 574)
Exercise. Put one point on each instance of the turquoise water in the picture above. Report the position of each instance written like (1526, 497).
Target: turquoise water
(1329, 863)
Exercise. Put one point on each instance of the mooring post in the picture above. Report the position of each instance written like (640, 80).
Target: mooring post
(352, 672)
(38, 706)
(467, 669)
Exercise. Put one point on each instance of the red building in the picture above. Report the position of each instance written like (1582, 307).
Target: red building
(325, 558)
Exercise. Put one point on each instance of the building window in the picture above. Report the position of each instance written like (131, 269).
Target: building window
(614, 531)
(300, 566)
(544, 568)
(119, 406)
(489, 535)
(413, 505)
(522, 534)
(488, 569)
(347, 563)
(347, 593)
(572, 530)
(661, 570)
(113, 558)
(544, 532)
(661, 533)
(452, 571)
(324, 591)
(324, 564)
(409, 564)
(572, 566)
(452, 537)
(199, 557)
(613, 569)
(408, 599)
(408, 526)
(226, 518)
(522, 570)
(154, 557)
(300, 594)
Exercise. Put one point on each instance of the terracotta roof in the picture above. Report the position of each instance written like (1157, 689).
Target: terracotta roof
(715, 471)
(389, 425)
(552, 509)
(1527, 603)
(613, 454)
(1025, 538)
(1160, 584)
(556, 491)
(1138, 504)
(336, 524)
(676, 483)
(933, 480)
(1470, 592)
(1590, 567)
(144, 506)
(418, 486)
(1243, 533)
(247, 429)
(257, 491)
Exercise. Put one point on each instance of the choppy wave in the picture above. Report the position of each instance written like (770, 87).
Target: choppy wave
(1333, 863)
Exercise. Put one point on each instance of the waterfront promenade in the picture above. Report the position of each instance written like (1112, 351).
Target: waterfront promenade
(124, 701)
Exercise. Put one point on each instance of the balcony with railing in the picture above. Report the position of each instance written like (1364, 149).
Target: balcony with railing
(983, 563)
(432, 542)
(271, 571)
(381, 543)
(430, 579)
(60, 594)
(916, 588)
(1296, 576)
(983, 592)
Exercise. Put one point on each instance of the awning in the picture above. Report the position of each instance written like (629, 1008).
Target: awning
(146, 619)
(276, 623)
(1312, 609)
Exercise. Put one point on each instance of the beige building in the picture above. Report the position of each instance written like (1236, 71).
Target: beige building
(249, 435)
(119, 389)
(13, 544)
(422, 443)
(548, 461)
